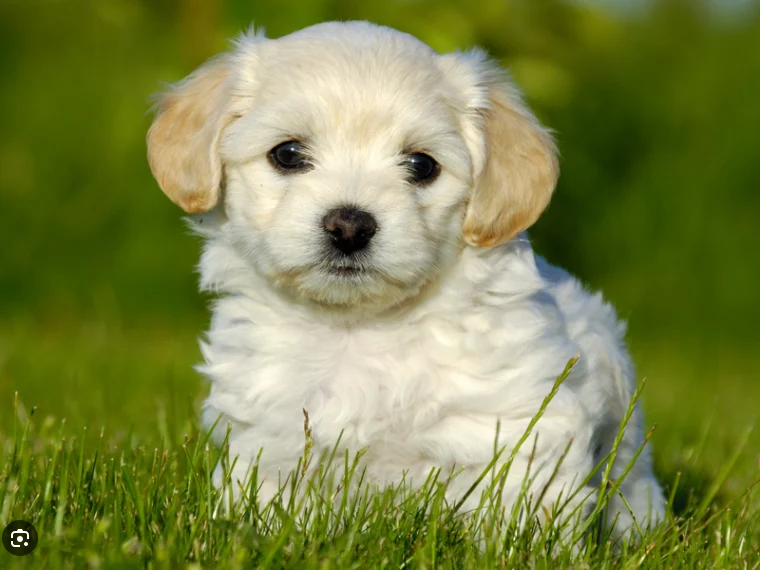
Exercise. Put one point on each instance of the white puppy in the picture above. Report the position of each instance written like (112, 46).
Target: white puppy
(367, 198)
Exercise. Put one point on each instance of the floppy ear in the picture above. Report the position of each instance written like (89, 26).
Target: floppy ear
(515, 158)
(184, 138)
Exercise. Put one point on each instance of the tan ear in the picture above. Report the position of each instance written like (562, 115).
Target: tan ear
(515, 157)
(184, 138)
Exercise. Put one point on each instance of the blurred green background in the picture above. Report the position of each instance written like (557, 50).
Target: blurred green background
(657, 113)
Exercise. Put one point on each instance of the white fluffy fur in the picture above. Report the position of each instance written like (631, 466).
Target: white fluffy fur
(436, 341)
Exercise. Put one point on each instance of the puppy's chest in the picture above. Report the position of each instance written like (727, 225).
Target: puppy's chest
(367, 384)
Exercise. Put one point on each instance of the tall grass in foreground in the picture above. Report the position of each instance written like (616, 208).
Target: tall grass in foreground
(99, 506)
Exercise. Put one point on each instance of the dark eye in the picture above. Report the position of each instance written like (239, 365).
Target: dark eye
(289, 155)
(422, 168)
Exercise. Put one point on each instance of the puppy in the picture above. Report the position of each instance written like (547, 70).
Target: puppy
(363, 202)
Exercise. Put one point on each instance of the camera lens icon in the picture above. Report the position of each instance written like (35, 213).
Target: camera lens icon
(20, 538)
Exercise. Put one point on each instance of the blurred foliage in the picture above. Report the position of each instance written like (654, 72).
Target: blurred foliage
(657, 116)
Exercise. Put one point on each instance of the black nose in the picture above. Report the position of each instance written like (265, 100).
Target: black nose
(350, 229)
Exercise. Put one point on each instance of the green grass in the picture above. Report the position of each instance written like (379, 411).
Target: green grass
(101, 453)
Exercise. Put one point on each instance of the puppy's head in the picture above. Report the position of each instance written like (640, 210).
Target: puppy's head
(353, 162)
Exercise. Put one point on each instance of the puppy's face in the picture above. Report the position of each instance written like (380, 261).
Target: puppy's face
(352, 162)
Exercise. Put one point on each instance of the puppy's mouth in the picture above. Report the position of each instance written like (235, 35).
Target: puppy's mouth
(349, 267)
(346, 271)
(346, 267)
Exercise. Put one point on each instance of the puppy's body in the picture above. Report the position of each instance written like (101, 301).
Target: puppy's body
(422, 319)
(424, 387)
